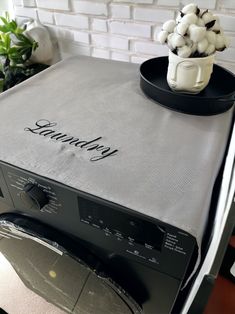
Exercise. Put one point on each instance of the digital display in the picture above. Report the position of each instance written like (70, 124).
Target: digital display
(121, 224)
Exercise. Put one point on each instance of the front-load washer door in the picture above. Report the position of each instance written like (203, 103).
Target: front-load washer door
(43, 271)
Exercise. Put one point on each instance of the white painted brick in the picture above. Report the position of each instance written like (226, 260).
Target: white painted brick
(136, 1)
(120, 11)
(60, 33)
(206, 4)
(226, 55)
(100, 53)
(130, 29)
(228, 4)
(99, 25)
(152, 15)
(120, 56)
(18, 2)
(27, 12)
(227, 22)
(53, 4)
(231, 42)
(151, 48)
(156, 31)
(68, 49)
(22, 20)
(171, 3)
(46, 17)
(90, 7)
(81, 37)
(110, 41)
(76, 21)
(29, 3)
(139, 60)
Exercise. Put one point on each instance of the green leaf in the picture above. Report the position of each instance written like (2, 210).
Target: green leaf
(3, 51)
(24, 39)
(13, 50)
(4, 20)
(3, 29)
(6, 40)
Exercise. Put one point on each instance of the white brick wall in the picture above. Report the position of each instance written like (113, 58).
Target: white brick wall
(130, 29)
(71, 20)
(120, 11)
(229, 4)
(53, 4)
(100, 40)
(152, 14)
(29, 3)
(26, 12)
(99, 25)
(46, 17)
(118, 29)
(90, 7)
(206, 4)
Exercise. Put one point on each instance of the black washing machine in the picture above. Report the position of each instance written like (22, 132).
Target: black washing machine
(135, 185)
(134, 250)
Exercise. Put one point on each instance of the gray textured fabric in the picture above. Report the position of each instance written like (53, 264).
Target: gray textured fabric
(166, 162)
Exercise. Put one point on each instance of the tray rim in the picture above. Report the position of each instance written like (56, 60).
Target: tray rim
(185, 94)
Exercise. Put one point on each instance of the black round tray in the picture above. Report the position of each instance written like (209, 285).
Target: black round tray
(216, 98)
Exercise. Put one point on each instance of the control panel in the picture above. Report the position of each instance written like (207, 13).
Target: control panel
(121, 225)
(109, 226)
(145, 240)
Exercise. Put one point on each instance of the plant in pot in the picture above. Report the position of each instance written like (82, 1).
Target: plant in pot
(193, 38)
(16, 49)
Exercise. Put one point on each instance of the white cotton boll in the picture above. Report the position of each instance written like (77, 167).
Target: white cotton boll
(188, 41)
(182, 28)
(177, 41)
(220, 42)
(190, 18)
(200, 22)
(169, 26)
(190, 8)
(169, 40)
(162, 37)
(196, 33)
(211, 37)
(194, 48)
(207, 17)
(184, 52)
(202, 45)
(216, 27)
(178, 18)
(210, 49)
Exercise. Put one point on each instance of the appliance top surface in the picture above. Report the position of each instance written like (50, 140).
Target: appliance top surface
(84, 122)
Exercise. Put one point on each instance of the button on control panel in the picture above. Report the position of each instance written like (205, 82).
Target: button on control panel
(34, 194)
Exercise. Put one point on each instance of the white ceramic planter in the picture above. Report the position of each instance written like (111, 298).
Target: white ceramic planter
(44, 52)
(189, 75)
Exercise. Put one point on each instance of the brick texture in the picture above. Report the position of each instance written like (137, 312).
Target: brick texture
(122, 30)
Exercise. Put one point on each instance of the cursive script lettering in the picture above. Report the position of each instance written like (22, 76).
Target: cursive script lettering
(44, 127)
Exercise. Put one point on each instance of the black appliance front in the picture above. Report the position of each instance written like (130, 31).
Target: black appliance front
(147, 257)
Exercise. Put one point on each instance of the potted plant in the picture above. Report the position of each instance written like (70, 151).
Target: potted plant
(16, 49)
(193, 38)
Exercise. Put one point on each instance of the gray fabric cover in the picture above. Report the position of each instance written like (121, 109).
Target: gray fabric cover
(166, 162)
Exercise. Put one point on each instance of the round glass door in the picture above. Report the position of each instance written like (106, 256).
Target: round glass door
(38, 275)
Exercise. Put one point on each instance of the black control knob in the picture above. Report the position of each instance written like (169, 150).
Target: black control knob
(33, 196)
